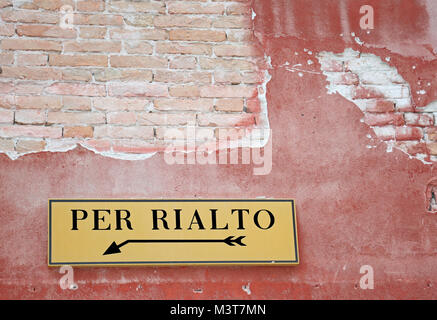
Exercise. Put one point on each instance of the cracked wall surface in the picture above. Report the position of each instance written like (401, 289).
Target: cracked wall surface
(117, 76)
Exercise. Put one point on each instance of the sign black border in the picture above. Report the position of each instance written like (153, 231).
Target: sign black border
(162, 263)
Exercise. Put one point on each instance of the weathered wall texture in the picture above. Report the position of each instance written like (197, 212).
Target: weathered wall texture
(337, 97)
(116, 76)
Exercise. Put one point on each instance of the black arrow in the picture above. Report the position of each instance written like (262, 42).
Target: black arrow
(230, 241)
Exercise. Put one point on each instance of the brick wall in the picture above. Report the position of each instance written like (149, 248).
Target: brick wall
(386, 101)
(115, 75)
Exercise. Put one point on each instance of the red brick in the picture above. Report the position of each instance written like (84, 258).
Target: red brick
(408, 133)
(123, 74)
(100, 145)
(90, 5)
(30, 131)
(143, 34)
(24, 59)
(96, 19)
(183, 48)
(233, 22)
(7, 145)
(184, 104)
(76, 103)
(92, 46)
(31, 73)
(30, 116)
(181, 62)
(226, 120)
(138, 62)
(7, 30)
(165, 119)
(31, 44)
(183, 7)
(141, 47)
(134, 132)
(231, 105)
(138, 89)
(27, 16)
(53, 5)
(182, 76)
(197, 35)
(6, 59)
(78, 89)
(78, 132)
(419, 120)
(228, 91)
(38, 102)
(92, 32)
(6, 116)
(384, 119)
(23, 146)
(6, 87)
(184, 91)
(228, 50)
(45, 31)
(226, 64)
(76, 74)
(137, 6)
(60, 117)
(120, 104)
(380, 106)
(171, 21)
(125, 118)
(62, 60)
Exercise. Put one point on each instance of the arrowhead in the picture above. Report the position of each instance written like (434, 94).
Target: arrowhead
(113, 248)
(229, 241)
(238, 241)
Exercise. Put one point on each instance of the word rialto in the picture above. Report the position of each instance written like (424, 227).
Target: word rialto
(106, 219)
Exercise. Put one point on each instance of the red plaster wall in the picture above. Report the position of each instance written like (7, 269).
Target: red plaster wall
(355, 206)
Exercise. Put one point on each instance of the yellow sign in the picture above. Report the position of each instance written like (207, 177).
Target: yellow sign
(172, 232)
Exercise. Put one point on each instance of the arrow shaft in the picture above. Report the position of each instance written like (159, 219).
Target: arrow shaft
(168, 241)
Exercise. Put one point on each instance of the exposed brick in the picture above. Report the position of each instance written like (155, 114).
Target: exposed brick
(228, 50)
(31, 73)
(123, 74)
(78, 132)
(172, 21)
(78, 89)
(182, 76)
(76, 103)
(63, 60)
(6, 116)
(124, 118)
(92, 32)
(96, 19)
(120, 104)
(6, 58)
(139, 20)
(78, 118)
(183, 63)
(141, 47)
(7, 30)
(7, 145)
(233, 22)
(232, 105)
(31, 44)
(137, 6)
(197, 35)
(136, 146)
(226, 120)
(379, 106)
(90, 5)
(408, 133)
(226, 64)
(183, 48)
(32, 59)
(143, 34)
(184, 104)
(76, 74)
(30, 131)
(419, 120)
(384, 119)
(92, 46)
(228, 91)
(134, 132)
(138, 62)
(188, 7)
(52, 4)
(45, 31)
(165, 119)
(30, 116)
(23, 146)
(184, 91)
(132, 89)
(27, 16)
(432, 133)
(38, 102)
(6, 87)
